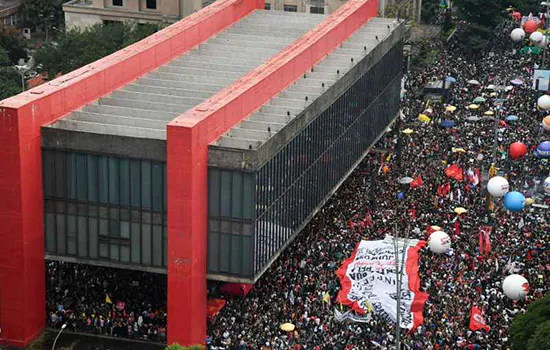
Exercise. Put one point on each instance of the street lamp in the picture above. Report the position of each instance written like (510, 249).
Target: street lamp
(58, 334)
(399, 278)
(21, 70)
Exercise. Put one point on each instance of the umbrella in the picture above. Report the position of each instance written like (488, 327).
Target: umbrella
(493, 94)
(479, 99)
(512, 118)
(458, 150)
(517, 82)
(473, 106)
(450, 108)
(489, 113)
(406, 180)
(488, 117)
(428, 111)
(424, 118)
(447, 123)
(473, 82)
(408, 131)
(460, 210)
(491, 87)
(508, 88)
(473, 118)
(450, 80)
(287, 327)
(437, 228)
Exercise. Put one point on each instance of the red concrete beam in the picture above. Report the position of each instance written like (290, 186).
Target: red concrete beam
(22, 284)
(187, 150)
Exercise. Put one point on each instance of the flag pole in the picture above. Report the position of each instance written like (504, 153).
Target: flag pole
(399, 274)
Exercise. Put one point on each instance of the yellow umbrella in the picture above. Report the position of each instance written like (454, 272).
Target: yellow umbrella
(489, 113)
(460, 210)
(424, 118)
(493, 94)
(457, 150)
(450, 108)
(437, 228)
(287, 327)
(529, 201)
(473, 106)
(408, 131)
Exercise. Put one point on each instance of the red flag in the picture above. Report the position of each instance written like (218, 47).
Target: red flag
(368, 219)
(351, 225)
(476, 320)
(416, 182)
(487, 240)
(457, 227)
(413, 213)
(454, 172)
(480, 241)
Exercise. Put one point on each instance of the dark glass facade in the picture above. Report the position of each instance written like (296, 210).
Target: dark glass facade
(105, 208)
(290, 186)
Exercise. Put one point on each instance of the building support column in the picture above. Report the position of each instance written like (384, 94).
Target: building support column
(187, 238)
(22, 275)
(417, 11)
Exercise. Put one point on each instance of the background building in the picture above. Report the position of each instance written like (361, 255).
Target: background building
(9, 12)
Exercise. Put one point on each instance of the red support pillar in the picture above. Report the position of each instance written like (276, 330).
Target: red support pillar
(22, 275)
(187, 237)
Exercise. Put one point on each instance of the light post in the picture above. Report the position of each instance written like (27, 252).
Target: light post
(21, 71)
(399, 276)
(546, 15)
(58, 334)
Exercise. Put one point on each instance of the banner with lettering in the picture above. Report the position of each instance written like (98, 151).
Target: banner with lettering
(368, 282)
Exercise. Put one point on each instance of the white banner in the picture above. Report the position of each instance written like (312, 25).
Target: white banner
(368, 281)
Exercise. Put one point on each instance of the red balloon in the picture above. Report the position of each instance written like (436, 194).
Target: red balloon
(516, 15)
(517, 150)
(530, 26)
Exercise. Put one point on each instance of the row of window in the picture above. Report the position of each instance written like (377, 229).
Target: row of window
(11, 20)
(149, 4)
(294, 8)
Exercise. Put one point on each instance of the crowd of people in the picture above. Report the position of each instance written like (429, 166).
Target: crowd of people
(294, 289)
(106, 301)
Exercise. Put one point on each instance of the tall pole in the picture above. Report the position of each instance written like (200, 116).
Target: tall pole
(58, 334)
(545, 36)
(399, 275)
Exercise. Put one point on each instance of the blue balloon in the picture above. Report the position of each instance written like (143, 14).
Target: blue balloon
(514, 201)
(543, 149)
(401, 195)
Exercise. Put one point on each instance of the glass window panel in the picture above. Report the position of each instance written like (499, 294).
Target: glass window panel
(103, 227)
(103, 179)
(124, 253)
(92, 178)
(70, 168)
(114, 253)
(213, 192)
(125, 229)
(93, 230)
(146, 244)
(157, 245)
(157, 193)
(164, 196)
(82, 236)
(237, 195)
(81, 177)
(225, 247)
(135, 183)
(113, 181)
(146, 184)
(236, 254)
(48, 170)
(165, 246)
(114, 228)
(135, 243)
(104, 250)
(248, 196)
(49, 224)
(225, 193)
(124, 173)
(71, 234)
(246, 257)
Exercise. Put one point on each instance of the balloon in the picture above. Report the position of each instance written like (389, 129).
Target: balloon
(547, 186)
(544, 102)
(514, 201)
(543, 149)
(517, 35)
(515, 287)
(439, 242)
(401, 195)
(517, 150)
(498, 186)
(530, 26)
(529, 201)
(541, 43)
(536, 37)
(546, 123)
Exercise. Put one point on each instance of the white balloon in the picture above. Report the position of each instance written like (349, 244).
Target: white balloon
(515, 287)
(547, 186)
(545, 126)
(517, 34)
(498, 186)
(544, 102)
(439, 242)
(541, 43)
(536, 37)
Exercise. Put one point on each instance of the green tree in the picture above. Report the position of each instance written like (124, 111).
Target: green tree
(44, 14)
(176, 346)
(76, 48)
(531, 330)
(10, 82)
(12, 43)
(4, 57)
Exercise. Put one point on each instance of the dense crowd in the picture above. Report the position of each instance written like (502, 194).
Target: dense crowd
(294, 288)
(106, 301)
